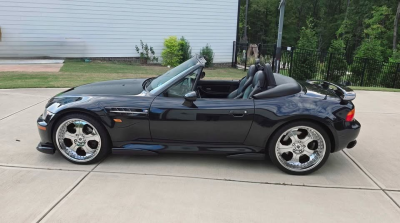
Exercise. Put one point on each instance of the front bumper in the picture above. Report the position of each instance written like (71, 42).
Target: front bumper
(46, 142)
(48, 149)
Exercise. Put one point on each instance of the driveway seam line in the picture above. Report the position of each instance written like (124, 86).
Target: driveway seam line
(69, 192)
(241, 181)
(40, 168)
(372, 179)
(204, 178)
(23, 109)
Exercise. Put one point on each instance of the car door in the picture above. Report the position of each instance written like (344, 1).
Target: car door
(206, 120)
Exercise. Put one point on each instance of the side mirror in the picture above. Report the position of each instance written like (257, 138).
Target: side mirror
(202, 75)
(191, 96)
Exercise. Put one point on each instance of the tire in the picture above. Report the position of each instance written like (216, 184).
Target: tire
(299, 148)
(81, 139)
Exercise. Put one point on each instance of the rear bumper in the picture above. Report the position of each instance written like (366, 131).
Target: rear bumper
(347, 133)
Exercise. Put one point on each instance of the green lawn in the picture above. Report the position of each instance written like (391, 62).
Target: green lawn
(374, 89)
(75, 73)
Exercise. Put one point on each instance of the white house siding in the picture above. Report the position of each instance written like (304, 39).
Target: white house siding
(112, 28)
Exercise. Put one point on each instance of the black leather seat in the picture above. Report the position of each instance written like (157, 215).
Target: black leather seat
(269, 75)
(258, 85)
(244, 83)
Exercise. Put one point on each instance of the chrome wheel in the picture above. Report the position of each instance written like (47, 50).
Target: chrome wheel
(300, 148)
(78, 140)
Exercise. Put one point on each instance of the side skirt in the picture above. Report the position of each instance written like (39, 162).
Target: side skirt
(231, 151)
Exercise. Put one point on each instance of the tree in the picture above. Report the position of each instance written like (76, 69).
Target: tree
(396, 22)
(328, 17)
(337, 61)
(372, 47)
(308, 37)
(304, 59)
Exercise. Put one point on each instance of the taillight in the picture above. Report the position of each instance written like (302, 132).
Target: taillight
(350, 115)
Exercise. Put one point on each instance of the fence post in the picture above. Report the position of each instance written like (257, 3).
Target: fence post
(363, 71)
(245, 57)
(291, 61)
(273, 57)
(329, 66)
(396, 75)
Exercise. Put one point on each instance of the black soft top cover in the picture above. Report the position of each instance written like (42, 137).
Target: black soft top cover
(284, 86)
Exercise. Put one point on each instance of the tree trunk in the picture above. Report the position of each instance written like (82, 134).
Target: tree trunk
(396, 22)
(347, 9)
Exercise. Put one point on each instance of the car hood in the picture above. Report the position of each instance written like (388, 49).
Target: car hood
(114, 87)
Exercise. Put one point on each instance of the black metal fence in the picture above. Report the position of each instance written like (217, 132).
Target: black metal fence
(303, 64)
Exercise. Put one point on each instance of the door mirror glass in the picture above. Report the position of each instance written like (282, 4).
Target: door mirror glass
(191, 96)
(202, 75)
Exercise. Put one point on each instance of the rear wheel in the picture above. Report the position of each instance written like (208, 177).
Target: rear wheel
(81, 139)
(299, 148)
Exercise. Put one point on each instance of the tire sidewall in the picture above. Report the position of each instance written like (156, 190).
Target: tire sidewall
(276, 136)
(105, 141)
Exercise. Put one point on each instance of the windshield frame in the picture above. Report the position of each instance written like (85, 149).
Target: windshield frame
(160, 89)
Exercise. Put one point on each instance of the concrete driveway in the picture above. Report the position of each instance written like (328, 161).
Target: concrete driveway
(359, 185)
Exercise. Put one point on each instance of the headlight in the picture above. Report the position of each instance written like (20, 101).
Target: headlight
(46, 113)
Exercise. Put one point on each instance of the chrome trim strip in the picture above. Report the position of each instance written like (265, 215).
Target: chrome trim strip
(125, 110)
(130, 112)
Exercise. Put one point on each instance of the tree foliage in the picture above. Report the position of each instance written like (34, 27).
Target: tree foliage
(355, 20)
(304, 62)
(337, 61)
(185, 49)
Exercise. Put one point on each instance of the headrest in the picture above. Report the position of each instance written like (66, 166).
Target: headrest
(259, 78)
(252, 70)
(269, 75)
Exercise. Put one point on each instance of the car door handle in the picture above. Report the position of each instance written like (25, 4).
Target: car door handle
(238, 114)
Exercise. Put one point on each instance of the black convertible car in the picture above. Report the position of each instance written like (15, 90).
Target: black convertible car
(265, 114)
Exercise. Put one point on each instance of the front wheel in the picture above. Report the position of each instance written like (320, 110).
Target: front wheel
(81, 139)
(299, 148)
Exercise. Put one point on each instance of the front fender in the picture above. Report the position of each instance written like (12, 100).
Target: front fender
(59, 107)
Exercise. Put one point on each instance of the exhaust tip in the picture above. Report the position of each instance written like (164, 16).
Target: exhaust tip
(352, 144)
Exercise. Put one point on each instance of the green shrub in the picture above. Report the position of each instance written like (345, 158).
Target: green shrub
(395, 58)
(304, 65)
(388, 77)
(208, 54)
(146, 53)
(171, 54)
(372, 72)
(185, 50)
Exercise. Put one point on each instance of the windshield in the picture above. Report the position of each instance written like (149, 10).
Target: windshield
(161, 80)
